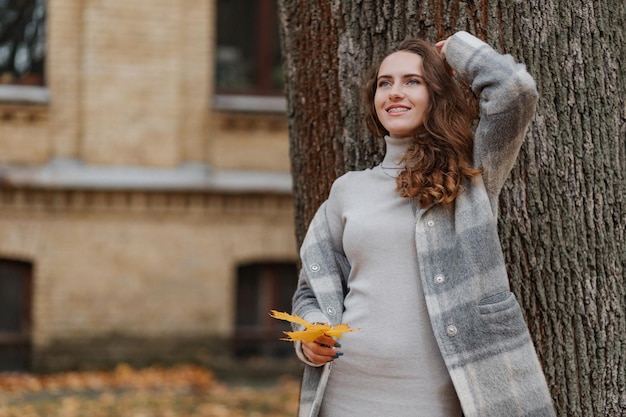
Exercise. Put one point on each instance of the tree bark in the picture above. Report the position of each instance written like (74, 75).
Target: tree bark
(562, 212)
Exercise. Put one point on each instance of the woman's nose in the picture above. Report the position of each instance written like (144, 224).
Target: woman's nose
(396, 93)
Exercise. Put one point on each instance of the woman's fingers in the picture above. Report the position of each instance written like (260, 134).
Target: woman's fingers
(324, 349)
(441, 47)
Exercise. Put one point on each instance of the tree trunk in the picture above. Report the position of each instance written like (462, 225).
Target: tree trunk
(562, 212)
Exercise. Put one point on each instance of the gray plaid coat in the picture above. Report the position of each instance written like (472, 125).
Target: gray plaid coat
(476, 319)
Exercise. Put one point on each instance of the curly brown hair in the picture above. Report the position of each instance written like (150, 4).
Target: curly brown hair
(440, 156)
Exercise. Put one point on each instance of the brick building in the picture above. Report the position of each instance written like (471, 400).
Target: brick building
(145, 195)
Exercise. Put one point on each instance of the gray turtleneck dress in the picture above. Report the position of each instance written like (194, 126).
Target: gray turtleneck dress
(392, 366)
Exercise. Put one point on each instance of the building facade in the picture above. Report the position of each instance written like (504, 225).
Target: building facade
(145, 194)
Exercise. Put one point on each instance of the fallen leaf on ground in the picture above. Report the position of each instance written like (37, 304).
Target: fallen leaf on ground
(179, 391)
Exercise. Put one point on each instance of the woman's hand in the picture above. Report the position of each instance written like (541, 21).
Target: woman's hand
(441, 47)
(322, 350)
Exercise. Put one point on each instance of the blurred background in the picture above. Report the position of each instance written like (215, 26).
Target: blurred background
(145, 194)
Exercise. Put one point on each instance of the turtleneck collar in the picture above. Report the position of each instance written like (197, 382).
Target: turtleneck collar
(395, 149)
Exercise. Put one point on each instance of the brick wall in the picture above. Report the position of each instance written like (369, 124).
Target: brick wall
(131, 265)
(123, 274)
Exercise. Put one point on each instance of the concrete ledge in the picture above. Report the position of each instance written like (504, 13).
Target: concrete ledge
(73, 174)
(24, 94)
(243, 103)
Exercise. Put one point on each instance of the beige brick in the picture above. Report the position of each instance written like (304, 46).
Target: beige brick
(130, 83)
(250, 141)
(23, 135)
(63, 73)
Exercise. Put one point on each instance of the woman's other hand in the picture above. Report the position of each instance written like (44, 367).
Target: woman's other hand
(322, 350)
(441, 47)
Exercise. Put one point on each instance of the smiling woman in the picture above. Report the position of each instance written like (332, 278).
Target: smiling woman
(408, 250)
(411, 94)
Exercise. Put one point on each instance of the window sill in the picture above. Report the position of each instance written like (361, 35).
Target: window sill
(24, 94)
(256, 104)
(73, 174)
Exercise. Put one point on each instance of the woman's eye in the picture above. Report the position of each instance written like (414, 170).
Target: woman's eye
(384, 84)
(413, 81)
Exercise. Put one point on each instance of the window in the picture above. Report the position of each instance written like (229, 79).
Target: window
(248, 51)
(22, 42)
(261, 288)
(15, 315)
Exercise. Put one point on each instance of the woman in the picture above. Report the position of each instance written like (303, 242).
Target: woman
(408, 251)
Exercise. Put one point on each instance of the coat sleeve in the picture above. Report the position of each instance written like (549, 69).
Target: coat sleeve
(507, 96)
(305, 302)
(321, 281)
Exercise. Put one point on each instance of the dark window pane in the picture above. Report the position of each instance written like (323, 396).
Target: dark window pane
(248, 57)
(260, 288)
(247, 297)
(15, 314)
(10, 304)
(14, 287)
(22, 41)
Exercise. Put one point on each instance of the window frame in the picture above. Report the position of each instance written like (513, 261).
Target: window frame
(262, 98)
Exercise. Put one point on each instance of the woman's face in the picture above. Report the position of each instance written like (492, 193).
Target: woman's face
(401, 97)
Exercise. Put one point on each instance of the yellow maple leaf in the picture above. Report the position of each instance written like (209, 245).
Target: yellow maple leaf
(311, 330)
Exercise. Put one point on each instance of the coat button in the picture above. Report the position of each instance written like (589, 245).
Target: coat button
(314, 267)
(451, 330)
(430, 223)
(331, 311)
(440, 279)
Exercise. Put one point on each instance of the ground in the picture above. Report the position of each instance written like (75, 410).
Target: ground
(181, 391)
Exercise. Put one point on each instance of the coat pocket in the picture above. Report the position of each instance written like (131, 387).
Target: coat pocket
(497, 302)
(501, 317)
